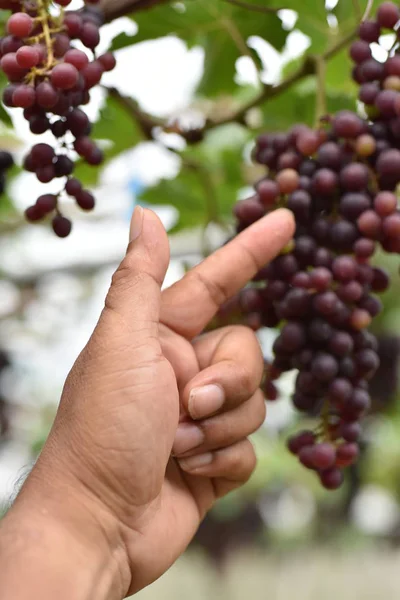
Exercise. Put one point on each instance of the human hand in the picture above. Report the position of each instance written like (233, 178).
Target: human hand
(154, 419)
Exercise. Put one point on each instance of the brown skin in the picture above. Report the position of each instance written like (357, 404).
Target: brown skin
(113, 500)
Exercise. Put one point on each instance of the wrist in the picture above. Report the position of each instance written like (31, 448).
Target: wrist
(57, 542)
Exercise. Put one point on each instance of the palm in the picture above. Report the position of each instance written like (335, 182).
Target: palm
(180, 501)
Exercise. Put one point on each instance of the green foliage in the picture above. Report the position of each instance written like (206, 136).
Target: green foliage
(206, 187)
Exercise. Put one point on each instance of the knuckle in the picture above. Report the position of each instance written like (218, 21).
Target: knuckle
(251, 462)
(215, 290)
(261, 408)
(236, 461)
(251, 258)
(126, 275)
(249, 380)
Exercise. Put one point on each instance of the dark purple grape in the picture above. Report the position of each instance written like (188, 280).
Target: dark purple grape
(341, 343)
(332, 479)
(347, 124)
(299, 203)
(323, 456)
(367, 362)
(350, 292)
(293, 337)
(380, 281)
(320, 331)
(296, 304)
(350, 432)
(385, 102)
(352, 205)
(330, 156)
(372, 305)
(324, 367)
(354, 177)
(368, 93)
(388, 15)
(343, 234)
(340, 390)
(370, 224)
(286, 266)
(308, 167)
(372, 70)
(360, 51)
(301, 440)
(326, 303)
(268, 192)
(323, 258)
(388, 164)
(369, 31)
(62, 227)
(321, 279)
(324, 182)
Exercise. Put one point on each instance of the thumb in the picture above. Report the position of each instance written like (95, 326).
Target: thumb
(135, 293)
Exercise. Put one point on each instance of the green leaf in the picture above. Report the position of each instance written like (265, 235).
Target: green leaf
(116, 125)
(221, 28)
(297, 105)
(4, 116)
(207, 186)
(185, 194)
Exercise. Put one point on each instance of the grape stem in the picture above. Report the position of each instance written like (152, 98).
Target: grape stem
(368, 10)
(44, 18)
(321, 104)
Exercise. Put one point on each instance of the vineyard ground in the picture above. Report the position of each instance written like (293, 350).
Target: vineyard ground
(317, 575)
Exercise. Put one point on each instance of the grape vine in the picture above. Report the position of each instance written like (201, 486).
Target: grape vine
(340, 182)
(50, 79)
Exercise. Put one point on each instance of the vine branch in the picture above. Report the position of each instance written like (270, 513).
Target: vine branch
(113, 9)
(148, 123)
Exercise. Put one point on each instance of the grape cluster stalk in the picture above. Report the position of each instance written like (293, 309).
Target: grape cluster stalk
(340, 182)
(50, 79)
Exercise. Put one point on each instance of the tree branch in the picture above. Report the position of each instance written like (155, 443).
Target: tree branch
(113, 9)
(145, 121)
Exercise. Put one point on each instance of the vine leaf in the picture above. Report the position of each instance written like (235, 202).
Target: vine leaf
(220, 28)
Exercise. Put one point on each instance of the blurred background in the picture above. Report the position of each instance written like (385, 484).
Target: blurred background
(196, 82)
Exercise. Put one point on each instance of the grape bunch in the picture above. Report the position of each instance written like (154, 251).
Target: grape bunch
(6, 162)
(340, 182)
(50, 79)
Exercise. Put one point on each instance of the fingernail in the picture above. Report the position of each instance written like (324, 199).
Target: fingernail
(136, 223)
(187, 438)
(196, 462)
(205, 401)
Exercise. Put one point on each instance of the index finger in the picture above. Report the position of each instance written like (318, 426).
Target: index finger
(190, 304)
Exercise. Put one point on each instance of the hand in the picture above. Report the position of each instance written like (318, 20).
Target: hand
(147, 386)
